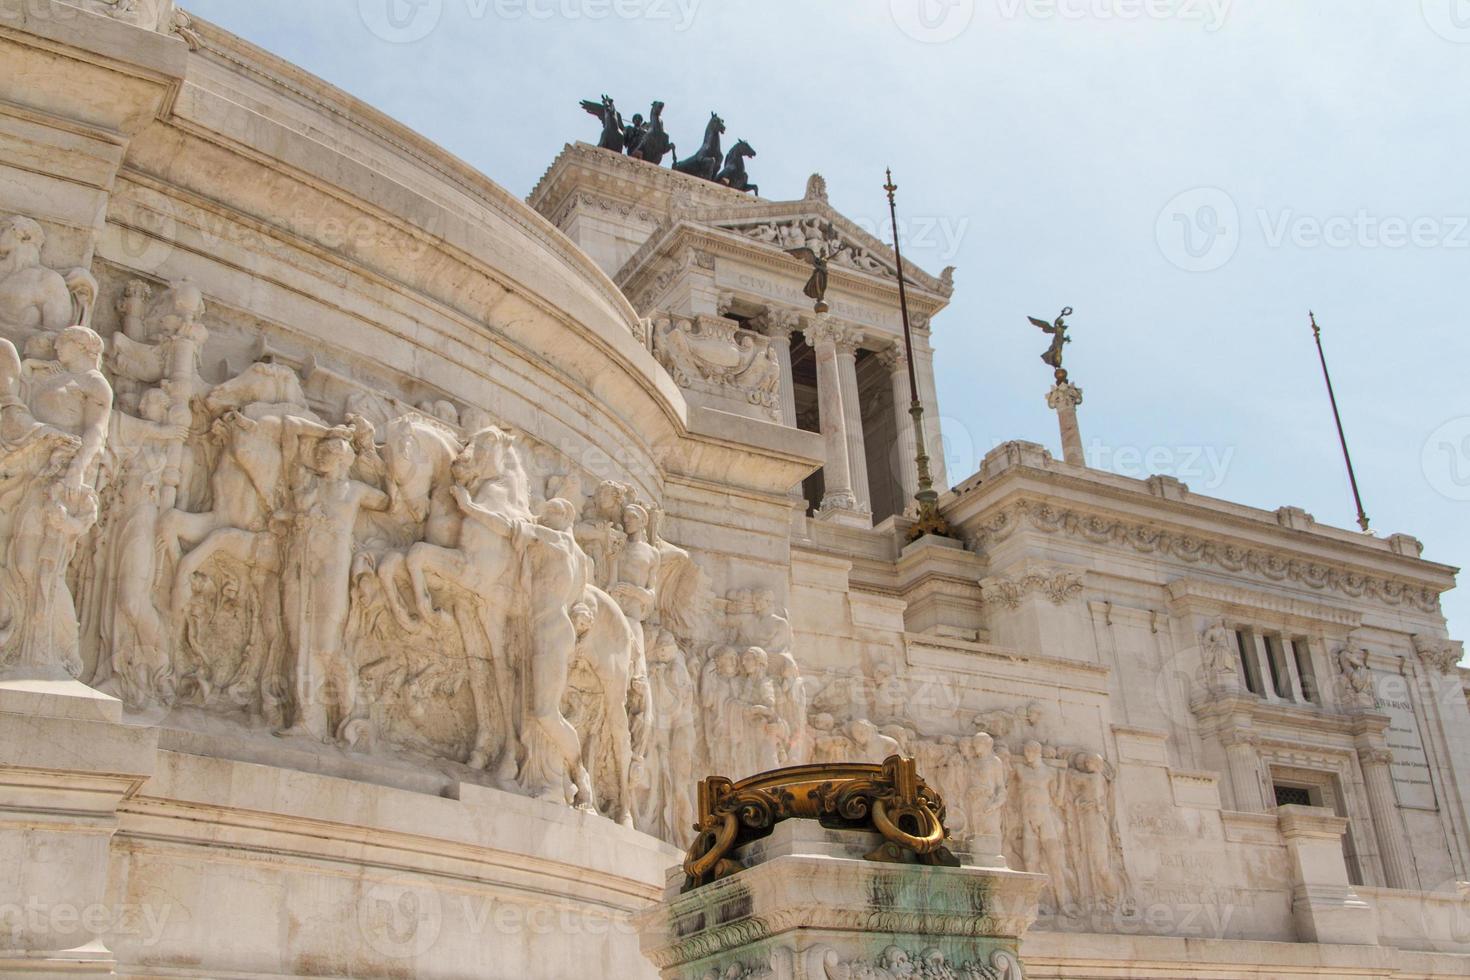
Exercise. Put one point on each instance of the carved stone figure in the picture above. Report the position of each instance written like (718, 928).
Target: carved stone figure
(868, 744)
(54, 419)
(33, 298)
(828, 744)
(1039, 797)
(1355, 676)
(791, 709)
(761, 732)
(597, 695)
(985, 792)
(1217, 649)
(1098, 849)
(671, 688)
(753, 614)
(600, 532)
(719, 697)
(635, 570)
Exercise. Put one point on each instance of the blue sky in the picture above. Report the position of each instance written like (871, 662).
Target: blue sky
(1191, 175)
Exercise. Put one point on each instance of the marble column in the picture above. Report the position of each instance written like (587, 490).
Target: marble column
(908, 473)
(1388, 827)
(929, 396)
(838, 499)
(1244, 760)
(1064, 399)
(779, 326)
(852, 413)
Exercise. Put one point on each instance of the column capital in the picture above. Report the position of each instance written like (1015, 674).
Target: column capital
(820, 331)
(1064, 395)
(779, 322)
(894, 358)
(1375, 756)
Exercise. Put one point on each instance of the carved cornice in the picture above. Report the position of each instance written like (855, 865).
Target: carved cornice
(1212, 598)
(1145, 538)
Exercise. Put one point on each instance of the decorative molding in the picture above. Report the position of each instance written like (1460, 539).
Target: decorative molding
(1151, 539)
(1058, 585)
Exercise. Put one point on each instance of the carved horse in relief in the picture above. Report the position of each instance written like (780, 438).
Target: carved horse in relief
(734, 174)
(706, 162)
(612, 123)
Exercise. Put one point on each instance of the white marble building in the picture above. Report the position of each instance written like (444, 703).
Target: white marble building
(384, 558)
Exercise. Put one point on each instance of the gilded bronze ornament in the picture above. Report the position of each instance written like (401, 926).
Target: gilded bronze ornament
(891, 799)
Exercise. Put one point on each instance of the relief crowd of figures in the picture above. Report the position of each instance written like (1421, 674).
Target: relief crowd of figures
(301, 555)
(648, 140)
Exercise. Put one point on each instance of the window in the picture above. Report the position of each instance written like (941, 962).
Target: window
(1302, 654)
(1293, 796)
(1276, 663)
(1245, 645)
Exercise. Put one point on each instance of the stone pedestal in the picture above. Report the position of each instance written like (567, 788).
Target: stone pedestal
(66, 762)
(809, 907)
(1324, 905)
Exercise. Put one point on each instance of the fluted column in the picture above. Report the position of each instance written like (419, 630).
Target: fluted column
(779, 326)
(929, 396)
(838, 498)
(1244, 760)
(852, 413)
(903, 420)
(1388, 826)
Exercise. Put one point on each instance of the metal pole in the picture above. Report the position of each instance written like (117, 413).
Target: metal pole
(1337, 416)
(930, 520)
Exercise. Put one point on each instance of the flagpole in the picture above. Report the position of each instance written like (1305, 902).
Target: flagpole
(1337, 416)
(930, 521)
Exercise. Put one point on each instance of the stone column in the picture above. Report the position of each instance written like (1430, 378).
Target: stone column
(929, 396)
(1388, 826)
(1245, 771)
(852, 413)
(1064, 399)
(898, 374)
(779, 326)
(838, 502)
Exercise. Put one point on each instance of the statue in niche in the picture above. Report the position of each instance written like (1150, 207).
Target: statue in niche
(37, 302)
(1039, 796)
(1097, 844)
(316, 574)
(985, 791)
(1356, 677)
(1217, 646)
(54, 420)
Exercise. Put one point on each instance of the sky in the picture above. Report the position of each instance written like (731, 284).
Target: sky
(1191, 176)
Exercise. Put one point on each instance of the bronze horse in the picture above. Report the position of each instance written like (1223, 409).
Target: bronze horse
(706, 162)
(612, 123)
(734, 174)
(655, 142)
